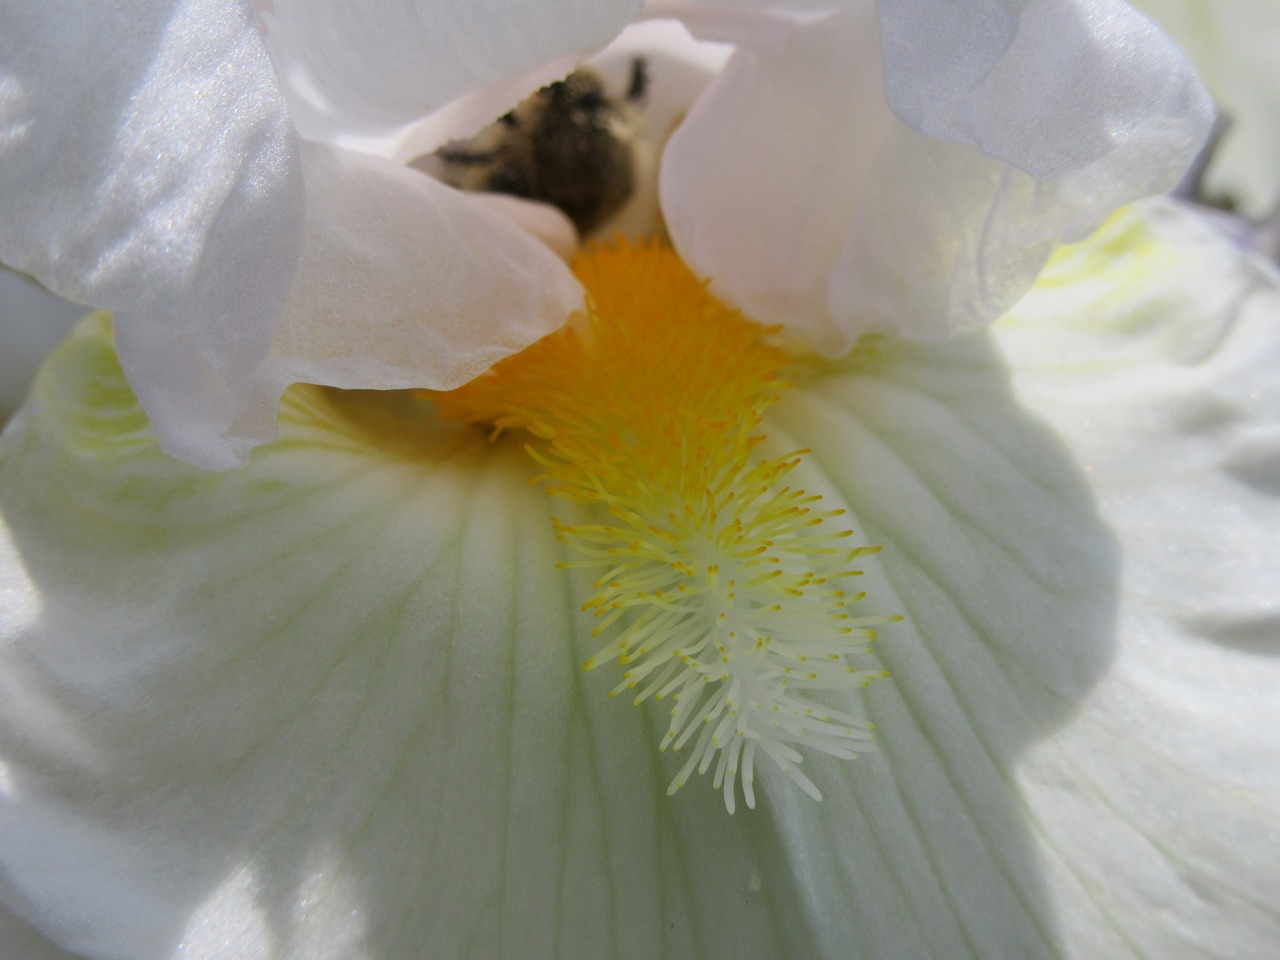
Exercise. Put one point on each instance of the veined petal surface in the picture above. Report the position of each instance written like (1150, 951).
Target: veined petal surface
(148, 165)
(331, 705)
(1151, 351)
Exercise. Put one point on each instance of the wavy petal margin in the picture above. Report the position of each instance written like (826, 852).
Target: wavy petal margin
(148, 166)
(1232, 43)
(807, 203)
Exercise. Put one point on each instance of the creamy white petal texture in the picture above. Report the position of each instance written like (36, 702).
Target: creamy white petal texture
(1161, 804)
(1049, 86)
(147, 165)
(760, 183)
(403, 282)
(395, 62)
(331, 706)
(1233, 45)
(1154, 809)
(793, 188)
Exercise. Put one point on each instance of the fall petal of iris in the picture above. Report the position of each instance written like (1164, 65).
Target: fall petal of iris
(1149, 797)
(330, 705)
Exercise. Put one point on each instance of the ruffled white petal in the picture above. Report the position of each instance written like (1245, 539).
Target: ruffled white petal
(403, 282)
(147, 165)
(808, 205)
(1233, 44)
(1048, 86)
(407, 58)
(760, 183)
(1163, 798)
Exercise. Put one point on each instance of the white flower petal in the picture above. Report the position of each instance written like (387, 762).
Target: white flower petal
(147, 165)
(791, 186)
(409, 57)
(1175, 409)
(761, 181)
(20, 941)
(1233, 44)
(1048, 86)
(1145, 782)
(402, 282)
(1007, 579)
(331, 705)
(949, 239)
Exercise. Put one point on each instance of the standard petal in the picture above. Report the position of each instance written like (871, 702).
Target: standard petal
(401, 282)
(1075, 107)
(148, 166)
(948, 239)
(1232, 43)
(795, 191)
(761, 181)
(1048, 86)
(408, 58)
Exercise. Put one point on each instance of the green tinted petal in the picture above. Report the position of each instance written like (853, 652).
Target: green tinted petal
(1079, 743)
(331, 705)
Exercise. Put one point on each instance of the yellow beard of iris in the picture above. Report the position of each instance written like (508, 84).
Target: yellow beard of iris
(718, 586)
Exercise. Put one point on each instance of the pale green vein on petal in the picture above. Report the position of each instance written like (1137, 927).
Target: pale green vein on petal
(339, 695)
(940, 730)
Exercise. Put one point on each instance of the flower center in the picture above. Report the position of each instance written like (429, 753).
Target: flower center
(718, 586)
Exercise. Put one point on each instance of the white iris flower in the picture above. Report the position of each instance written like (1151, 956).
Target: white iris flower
(331, 704)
